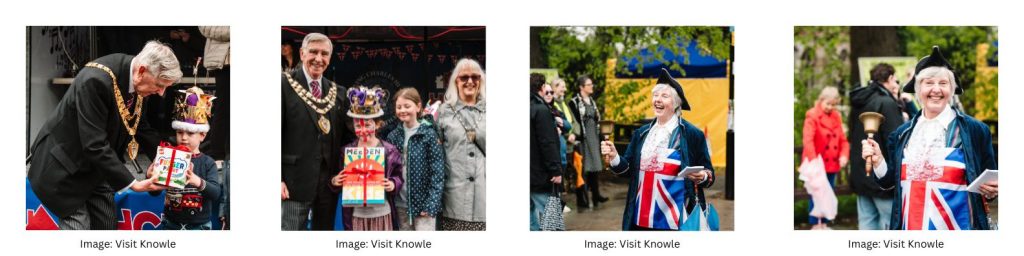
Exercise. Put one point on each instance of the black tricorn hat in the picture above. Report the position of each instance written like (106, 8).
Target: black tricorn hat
(666, 78)
(934, 60)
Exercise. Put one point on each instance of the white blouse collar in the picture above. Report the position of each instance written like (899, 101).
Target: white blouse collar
(943, 118)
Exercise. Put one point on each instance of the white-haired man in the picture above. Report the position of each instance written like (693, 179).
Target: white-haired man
(313, 130)
(77, 159)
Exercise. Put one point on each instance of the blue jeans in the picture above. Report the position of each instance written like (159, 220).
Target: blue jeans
(172, 225)
(815, 220)
(873, 213)
(537, 203)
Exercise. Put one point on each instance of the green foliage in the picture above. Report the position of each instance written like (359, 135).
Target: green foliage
(622, 97)
(820, 63)
(847, 208)
(990, 94)
(576, 51)
(959, 46)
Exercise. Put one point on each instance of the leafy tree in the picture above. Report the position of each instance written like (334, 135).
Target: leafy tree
(959, 46)
(821, 61)
(576, 51)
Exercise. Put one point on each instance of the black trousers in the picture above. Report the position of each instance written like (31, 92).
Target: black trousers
(325, 202)
(593, 183)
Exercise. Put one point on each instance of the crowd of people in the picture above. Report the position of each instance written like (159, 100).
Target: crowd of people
(566, 147)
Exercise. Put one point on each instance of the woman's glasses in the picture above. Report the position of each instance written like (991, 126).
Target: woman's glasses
(466, 78)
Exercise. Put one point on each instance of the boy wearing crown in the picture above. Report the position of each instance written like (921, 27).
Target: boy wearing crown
(189, 208)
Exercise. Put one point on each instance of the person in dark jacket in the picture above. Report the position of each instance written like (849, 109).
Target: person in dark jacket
(931, 159)
(652, 152)
(873, 202)
(78, 156)
(545, 167)
(313, 133)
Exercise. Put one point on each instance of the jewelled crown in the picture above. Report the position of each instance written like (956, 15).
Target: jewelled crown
(366, 102)
(192, 112)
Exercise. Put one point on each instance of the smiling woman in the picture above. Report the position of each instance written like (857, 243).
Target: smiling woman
(462, 122)
(963, 145)
(655, 160)
(935, 85)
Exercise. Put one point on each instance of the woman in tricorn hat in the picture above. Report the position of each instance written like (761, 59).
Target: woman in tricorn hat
(933, 157)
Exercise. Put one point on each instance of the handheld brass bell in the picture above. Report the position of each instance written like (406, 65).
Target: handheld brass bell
(871, 121)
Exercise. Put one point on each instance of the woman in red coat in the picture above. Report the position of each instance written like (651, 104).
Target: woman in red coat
(823, 135)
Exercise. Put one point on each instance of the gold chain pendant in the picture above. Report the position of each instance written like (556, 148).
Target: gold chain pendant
(133, 149)
(325, 125)
(133, 146)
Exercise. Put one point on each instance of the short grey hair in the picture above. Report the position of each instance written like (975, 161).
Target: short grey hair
(160, 61)
(676, 100)
(933, 72)
(317, 37)
(556, 82)
(452, 94)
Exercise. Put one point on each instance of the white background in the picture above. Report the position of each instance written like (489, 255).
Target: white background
(763, 69)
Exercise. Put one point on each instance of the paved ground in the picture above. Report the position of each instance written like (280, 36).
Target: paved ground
(608, 216)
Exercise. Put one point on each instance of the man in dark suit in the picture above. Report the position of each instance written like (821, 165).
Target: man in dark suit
(312, 135)
(77, 159)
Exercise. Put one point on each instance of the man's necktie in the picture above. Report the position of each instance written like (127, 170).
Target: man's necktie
(130, 102)
(315, 86)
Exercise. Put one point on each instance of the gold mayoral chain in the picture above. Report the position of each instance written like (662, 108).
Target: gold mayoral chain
(315, 103)
(133, 146)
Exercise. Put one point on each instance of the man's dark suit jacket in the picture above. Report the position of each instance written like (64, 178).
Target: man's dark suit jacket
(82, 144)
(303, 147)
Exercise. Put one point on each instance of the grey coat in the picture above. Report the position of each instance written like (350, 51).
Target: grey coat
(465, 184)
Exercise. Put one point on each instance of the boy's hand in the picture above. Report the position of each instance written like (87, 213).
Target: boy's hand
(192, 178)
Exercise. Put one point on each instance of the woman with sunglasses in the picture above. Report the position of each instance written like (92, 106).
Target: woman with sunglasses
(462, 122)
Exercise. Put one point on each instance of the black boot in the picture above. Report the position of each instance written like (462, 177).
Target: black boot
(581, 198)
(595, 191)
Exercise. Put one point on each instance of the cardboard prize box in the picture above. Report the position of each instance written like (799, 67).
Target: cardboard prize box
(364, 184)
(172, 164)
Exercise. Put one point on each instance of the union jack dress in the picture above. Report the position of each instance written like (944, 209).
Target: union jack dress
(934, 191)
(661, 197)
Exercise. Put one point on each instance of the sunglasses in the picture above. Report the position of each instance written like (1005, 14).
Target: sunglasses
(466, 78)
(549, 93)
